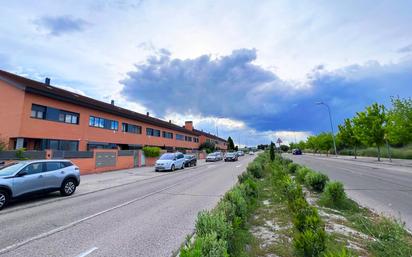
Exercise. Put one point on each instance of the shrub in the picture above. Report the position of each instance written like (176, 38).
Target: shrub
(301, 174)
(235, 197)
(150, 151)
(208, 222)
(208, 147)
(306, 218)
(316, 181)
(243, 177)
(20, 154)
(334, 194)
(250, 189)
(206, 246)
(255, 169)
(293, 167)
(309, 243)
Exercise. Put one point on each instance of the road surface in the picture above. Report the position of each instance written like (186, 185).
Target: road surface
(384, 188)
(148, 216)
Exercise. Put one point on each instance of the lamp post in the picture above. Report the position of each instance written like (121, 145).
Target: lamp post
(331, 124)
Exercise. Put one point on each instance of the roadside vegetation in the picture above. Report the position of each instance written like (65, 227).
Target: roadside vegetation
(150, 151)
(377, 132)
(279, 208)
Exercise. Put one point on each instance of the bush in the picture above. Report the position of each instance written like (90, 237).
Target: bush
(309, 243)
(293, 167)
(334, 194)
(208, 222)
(316, 181)
(301, 174)
(243, 177)
(235, 197)
(250, 189)
(255, 169)
(307, 218)
(206, 246)
(20, 154)
(150, 151)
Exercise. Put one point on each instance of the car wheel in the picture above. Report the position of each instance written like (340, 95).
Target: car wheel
(183, 166)
(172, 168)
(194, 164)
(4, 198)
(68, 187)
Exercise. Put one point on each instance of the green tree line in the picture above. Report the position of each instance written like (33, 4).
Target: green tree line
(376, 126)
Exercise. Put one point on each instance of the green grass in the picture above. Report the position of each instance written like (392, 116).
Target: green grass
(396, 153)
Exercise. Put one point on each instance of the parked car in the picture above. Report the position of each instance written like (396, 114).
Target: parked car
(220, 155)
(213, 157)
(190, 160)
(251, 153)
(25, 178)
(170, 161)
(231, 157)
(240, 153)
(296, 151)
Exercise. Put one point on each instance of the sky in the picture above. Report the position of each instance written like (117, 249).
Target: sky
(252, 70)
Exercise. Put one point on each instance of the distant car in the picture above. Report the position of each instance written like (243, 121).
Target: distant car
(190, 160)
(240, 153)
(231, 157)
(251, 153)
(296, 152)
(25, 178)
(220, 155)
(170, 161)
(213, 157)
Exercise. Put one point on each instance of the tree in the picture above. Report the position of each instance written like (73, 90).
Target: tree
(370, 126)
(230, 144)
(284, 148)
(272, 151)
(347, 135)
(399, 126)
(236, 148)
(208, 147)
(325, 141)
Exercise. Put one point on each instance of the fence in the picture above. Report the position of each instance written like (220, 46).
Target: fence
(32, 155)
(57, 154)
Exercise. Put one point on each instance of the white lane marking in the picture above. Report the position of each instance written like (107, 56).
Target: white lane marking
(238, 166)
(87, 252)
(74, 223)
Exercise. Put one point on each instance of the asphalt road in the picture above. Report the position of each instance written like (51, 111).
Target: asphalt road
(384, 188)
(149, 217)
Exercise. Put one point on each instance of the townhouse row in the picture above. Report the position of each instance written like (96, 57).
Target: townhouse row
(39, 116)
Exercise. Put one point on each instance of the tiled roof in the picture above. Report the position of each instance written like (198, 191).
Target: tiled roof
(199, 132)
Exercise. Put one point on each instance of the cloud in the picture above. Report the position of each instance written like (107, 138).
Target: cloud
(236, 88)
(59, 25)
(405, 49)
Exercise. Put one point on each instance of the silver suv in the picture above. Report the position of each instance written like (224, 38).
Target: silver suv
(27, 177)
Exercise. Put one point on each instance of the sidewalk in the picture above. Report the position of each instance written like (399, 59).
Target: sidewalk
(384, 161)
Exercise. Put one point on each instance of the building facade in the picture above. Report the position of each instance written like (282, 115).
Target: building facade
(39, 116)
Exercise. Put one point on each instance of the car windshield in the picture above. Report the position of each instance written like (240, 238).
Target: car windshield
(188, 156)
(167, 156)
(11, 168)
(230, 154)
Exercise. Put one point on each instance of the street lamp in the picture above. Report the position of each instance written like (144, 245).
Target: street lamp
(331, 125)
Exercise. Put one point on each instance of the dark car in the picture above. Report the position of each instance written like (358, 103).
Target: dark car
(231, 157)
(190, 160)
(296, 152)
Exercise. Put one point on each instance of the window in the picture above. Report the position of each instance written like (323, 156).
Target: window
(38, 111)
(152, 132)
(103, 123)
(63, 145)
(167, 134)
(50, 166)
(189, 139)
(53, 114)
(180, 137)
(34, 168)
(196, 139)
(129, 128)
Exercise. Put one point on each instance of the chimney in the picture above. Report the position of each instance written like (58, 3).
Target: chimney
(189, 125)
(112, 102)
(47, 81)
(147, 113)
(170, 121)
